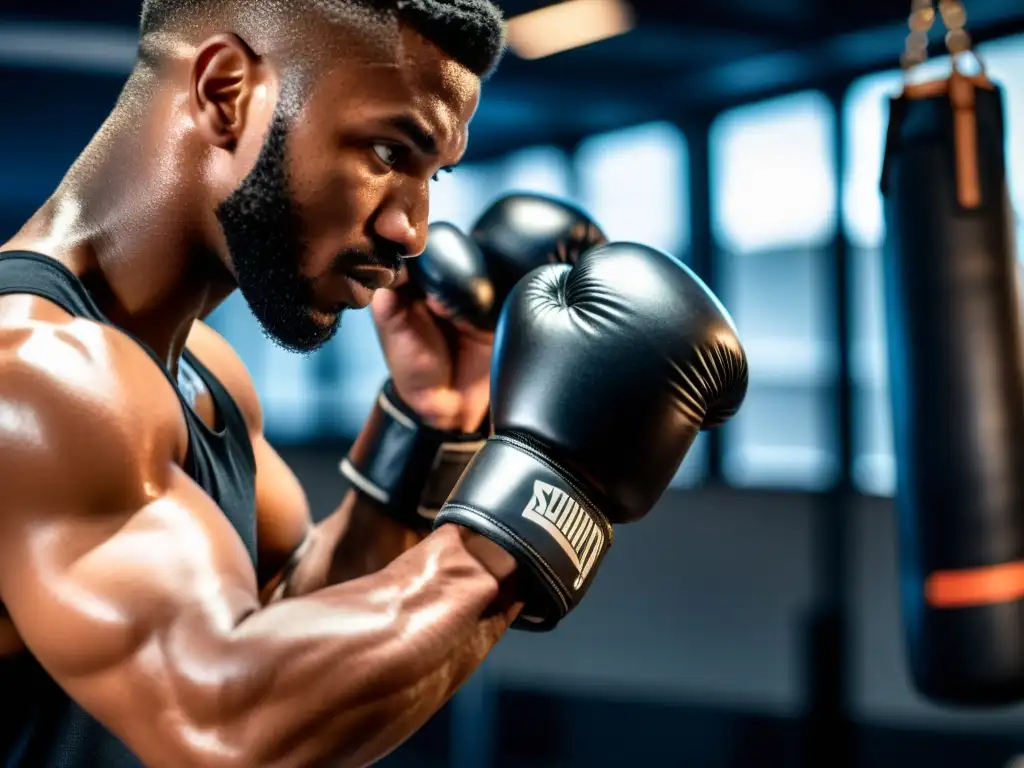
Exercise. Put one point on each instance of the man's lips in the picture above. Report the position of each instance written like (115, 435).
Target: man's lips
(364, 281)
(344, 291)
(373, 276)
(360, 294)
(353, 286)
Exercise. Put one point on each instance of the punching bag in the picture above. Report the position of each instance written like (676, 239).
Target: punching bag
(957, 384)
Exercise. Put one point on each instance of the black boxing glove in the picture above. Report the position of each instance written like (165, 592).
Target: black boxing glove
(603, 375)
(517, 234)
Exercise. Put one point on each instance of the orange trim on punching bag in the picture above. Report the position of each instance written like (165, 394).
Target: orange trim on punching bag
(960, 89)
(973, 587)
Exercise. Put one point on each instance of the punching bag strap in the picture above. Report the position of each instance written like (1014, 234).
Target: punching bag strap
(960, 89)
(965, 139)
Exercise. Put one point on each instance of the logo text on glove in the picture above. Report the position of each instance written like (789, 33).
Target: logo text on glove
(569, 524)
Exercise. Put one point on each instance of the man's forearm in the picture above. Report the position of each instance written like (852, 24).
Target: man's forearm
(353, 670)
(357, 539)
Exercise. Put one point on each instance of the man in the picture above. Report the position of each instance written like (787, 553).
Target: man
(166, 597)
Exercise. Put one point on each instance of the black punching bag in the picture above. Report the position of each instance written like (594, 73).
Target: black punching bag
(957, 382)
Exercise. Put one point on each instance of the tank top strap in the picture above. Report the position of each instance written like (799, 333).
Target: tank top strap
(38, 275)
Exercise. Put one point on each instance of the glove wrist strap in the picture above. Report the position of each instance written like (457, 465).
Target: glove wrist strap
(406, 466)
(517, 497)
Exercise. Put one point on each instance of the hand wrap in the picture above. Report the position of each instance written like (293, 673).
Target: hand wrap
(406, 466)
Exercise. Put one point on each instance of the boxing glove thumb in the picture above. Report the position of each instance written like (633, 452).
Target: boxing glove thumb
(473, 276)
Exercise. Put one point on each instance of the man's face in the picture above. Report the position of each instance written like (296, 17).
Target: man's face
(339, 192)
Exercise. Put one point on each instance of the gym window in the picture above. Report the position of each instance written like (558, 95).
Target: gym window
(773, 214)
(635, 183)
(865, 116)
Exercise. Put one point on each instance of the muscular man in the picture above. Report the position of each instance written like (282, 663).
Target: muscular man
(165, 596)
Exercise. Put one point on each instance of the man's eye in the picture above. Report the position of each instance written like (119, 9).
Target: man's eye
(387, 154)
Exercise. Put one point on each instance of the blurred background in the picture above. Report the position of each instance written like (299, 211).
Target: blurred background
(752, 620)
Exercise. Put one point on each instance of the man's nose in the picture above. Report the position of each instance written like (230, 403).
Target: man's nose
(406, 231)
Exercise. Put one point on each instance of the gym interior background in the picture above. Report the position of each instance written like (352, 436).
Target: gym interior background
(752, 620)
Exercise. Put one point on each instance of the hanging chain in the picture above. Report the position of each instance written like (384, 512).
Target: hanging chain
(954, 17)
(920, 23)
(922, 17)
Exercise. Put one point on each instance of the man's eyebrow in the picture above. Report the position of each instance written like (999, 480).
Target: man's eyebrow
(413, 129)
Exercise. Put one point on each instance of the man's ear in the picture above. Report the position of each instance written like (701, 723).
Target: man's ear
(224, 74)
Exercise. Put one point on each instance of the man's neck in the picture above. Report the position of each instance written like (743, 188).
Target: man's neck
(128, 220)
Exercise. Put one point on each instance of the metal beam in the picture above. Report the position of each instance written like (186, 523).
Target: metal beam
(703, 246)
(88, 48)
(831, 736)
(836, 57)
(724, 19)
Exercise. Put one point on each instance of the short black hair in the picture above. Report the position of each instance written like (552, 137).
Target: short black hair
(472, 32)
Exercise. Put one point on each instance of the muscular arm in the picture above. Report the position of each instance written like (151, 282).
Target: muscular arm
(297, 557)
(135, 594)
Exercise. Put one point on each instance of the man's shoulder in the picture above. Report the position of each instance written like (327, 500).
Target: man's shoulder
(49, 343)
(73, 386)
(220, 358)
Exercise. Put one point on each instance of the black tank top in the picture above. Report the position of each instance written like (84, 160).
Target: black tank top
(42, 727)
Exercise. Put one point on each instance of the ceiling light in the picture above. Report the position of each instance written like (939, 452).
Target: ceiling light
(560, 27)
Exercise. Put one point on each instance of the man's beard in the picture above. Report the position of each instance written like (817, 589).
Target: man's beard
(264, 238)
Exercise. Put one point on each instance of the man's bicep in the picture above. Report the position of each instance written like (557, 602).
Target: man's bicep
(130, 613)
